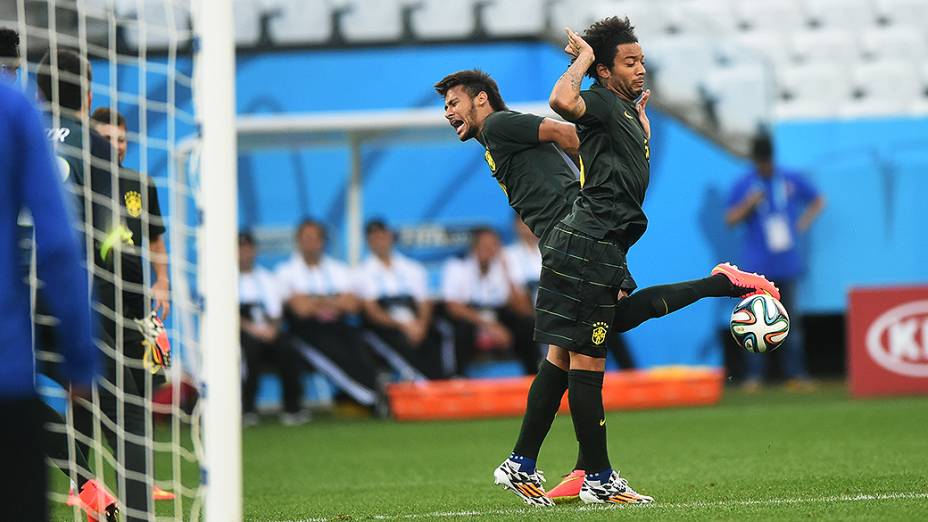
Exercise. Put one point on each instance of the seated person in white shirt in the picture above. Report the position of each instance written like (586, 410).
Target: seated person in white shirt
(397, 308)
(262, 342)
(523, 258)
(488, 310)
(317, 295)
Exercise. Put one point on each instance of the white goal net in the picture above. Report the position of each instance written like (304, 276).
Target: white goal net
(159, 430)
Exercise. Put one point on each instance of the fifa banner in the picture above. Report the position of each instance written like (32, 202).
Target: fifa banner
(888, 333)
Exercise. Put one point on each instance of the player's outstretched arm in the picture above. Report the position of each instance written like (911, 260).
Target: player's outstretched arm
(565, 97)
(561, 133)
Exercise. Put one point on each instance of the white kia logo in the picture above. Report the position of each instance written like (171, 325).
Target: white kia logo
(893, 339)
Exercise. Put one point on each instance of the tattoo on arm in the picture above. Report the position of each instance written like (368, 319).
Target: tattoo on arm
(573, 79)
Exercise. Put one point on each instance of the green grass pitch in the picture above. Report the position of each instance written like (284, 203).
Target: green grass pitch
(770, 456)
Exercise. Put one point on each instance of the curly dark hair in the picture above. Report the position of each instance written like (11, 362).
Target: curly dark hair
(604, 37)
(474, 81)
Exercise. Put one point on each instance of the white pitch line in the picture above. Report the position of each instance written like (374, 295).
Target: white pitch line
(657, 505)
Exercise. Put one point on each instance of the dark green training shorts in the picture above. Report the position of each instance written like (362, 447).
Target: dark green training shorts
(580, 280)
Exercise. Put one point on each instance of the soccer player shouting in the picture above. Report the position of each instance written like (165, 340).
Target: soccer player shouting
(534, 160)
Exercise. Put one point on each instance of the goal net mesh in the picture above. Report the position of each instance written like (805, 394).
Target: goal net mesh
(137, 433)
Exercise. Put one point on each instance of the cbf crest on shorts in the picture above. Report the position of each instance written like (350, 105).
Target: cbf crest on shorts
(599, 333)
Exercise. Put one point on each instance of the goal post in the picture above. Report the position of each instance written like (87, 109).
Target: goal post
(214, 96)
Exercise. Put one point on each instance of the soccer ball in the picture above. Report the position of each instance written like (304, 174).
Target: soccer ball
(759, 323)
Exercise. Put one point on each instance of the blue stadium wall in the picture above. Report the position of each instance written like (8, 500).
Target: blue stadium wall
(874, 174)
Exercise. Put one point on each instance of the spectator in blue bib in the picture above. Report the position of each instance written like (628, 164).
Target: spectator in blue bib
(776, 207)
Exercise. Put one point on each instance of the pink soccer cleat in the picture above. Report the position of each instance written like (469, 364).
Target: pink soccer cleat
(749, 282)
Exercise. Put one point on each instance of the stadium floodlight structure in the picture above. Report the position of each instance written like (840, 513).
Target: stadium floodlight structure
(352, 129)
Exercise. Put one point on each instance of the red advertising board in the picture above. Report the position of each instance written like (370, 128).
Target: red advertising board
(888, 333)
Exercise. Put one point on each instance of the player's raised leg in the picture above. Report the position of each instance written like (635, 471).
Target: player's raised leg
(657, 301)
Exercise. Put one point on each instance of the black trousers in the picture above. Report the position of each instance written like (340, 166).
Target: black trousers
(522, 329)
(130, 414)
(425, 358)
(283, 358)
(22, 489)
(342, 347)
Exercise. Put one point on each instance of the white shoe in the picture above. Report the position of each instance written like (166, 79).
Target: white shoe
(526, 486)
(614, 490)
(250, 420)
(295, 419)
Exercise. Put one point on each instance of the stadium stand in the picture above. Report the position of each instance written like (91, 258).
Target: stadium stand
(514, 18)
(444, 19)
(296, 22)
(683, 40)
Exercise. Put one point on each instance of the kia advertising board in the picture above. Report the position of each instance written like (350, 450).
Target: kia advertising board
(888, 332)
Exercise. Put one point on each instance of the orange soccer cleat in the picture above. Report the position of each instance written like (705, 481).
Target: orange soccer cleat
(96, 501)
(161, 494)
(569, 488)
(748, 282)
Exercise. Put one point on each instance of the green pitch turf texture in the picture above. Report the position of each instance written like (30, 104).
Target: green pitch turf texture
(774, 455)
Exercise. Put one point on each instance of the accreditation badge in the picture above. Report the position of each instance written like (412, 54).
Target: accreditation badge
(777, 233)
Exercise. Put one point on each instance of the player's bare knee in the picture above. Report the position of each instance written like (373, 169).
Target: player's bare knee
(559, 357)
(585, 362)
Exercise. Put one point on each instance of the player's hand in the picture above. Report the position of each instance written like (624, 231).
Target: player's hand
(754, 199)
(576, 45)
(414, 332)
(642, 114)
(500, 334)
(161, 294)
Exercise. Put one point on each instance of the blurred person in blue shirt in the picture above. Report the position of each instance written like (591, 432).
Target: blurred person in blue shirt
(776, 206)
(30, 181)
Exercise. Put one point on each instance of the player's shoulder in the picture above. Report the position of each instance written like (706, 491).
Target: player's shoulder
(600, 93)
(497, 119)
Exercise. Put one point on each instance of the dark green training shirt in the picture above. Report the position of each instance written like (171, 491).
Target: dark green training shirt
(616, 154)
(539, 179)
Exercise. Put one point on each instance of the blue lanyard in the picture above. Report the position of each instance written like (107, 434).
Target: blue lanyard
(777, 199)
